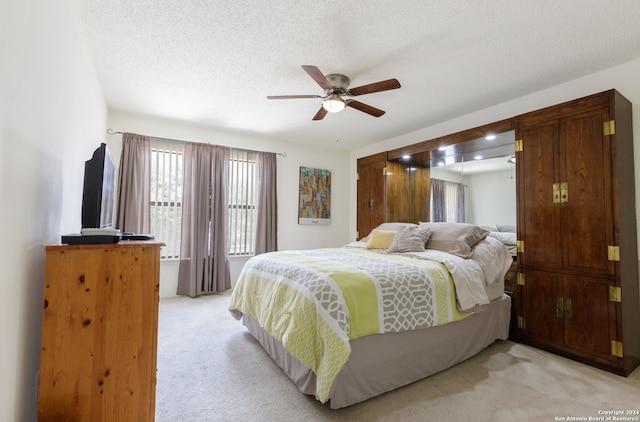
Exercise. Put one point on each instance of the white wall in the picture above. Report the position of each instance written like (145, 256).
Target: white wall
(291, 235)
(490, 198)
(623, 78)
(52, 116)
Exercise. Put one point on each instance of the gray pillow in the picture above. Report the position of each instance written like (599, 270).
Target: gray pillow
(410, 239)
(455, 238)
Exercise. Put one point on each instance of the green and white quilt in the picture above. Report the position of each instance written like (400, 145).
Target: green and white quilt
(315, 301)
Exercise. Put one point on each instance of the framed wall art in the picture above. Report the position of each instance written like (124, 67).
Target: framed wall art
(314, 205)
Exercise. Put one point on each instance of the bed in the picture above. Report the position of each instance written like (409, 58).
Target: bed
(347, 324)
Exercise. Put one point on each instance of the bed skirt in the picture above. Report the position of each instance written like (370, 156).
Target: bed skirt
(383, 362)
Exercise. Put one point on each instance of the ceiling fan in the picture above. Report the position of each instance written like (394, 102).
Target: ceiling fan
(336, 93)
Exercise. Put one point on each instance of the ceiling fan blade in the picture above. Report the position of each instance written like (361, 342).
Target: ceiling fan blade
(286, 97)
(375, 112)
(320, 114)
(317, 76)
(375, 87)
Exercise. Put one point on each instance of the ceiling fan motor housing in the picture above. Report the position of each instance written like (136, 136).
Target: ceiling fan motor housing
(339, 82)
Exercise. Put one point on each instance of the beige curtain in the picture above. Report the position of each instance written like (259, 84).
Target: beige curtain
(204, 261)
(267, 224)
(134, 197)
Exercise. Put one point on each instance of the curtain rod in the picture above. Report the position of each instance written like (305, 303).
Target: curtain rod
(112, 132)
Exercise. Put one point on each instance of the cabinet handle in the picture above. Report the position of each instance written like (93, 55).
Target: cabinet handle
(563, 307)
(564, 192)
(556, 193)
(559, 307)
(567, 308)
(560, 193)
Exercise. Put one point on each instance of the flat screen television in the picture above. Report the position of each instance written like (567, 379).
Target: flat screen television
(98, 193)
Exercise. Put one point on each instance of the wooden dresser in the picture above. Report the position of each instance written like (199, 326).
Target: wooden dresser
(99, 332)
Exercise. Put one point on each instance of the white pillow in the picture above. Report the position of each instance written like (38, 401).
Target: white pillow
(507, 238)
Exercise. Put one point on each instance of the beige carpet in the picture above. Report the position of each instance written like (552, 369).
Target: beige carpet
(211, 369)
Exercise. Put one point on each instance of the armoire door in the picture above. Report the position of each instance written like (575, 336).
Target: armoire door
(542, 307)
(370, 193)
(565, 194)
(590, 317)
(539, 213)
(571, 312)
(585, 174)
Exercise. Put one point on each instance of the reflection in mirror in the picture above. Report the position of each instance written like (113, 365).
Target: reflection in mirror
(474, 182)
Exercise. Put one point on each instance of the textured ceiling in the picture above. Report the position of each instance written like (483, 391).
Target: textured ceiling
(213, 63)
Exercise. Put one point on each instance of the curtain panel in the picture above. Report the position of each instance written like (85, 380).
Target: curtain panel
(267, 219)
(204, 260)
(134, 186)
(438, 200)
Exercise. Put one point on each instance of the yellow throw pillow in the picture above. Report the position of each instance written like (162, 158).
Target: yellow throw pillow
(380, 239)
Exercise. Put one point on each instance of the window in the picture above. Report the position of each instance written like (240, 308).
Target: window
(166, 195)
(243, 201)
(167, 173)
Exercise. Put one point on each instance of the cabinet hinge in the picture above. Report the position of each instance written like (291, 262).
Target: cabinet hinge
(522, 323)
(520, 279)
(613, 253)
(520, 246)
(518, 145)
(617, 349)
(384, 171)
(615, 294)
(357, 176)
(609, 127)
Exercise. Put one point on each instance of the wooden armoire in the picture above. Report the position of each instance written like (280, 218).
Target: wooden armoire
(577, 242)
(577, 291)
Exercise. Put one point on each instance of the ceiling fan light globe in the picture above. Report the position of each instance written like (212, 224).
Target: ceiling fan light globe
(334, 104)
